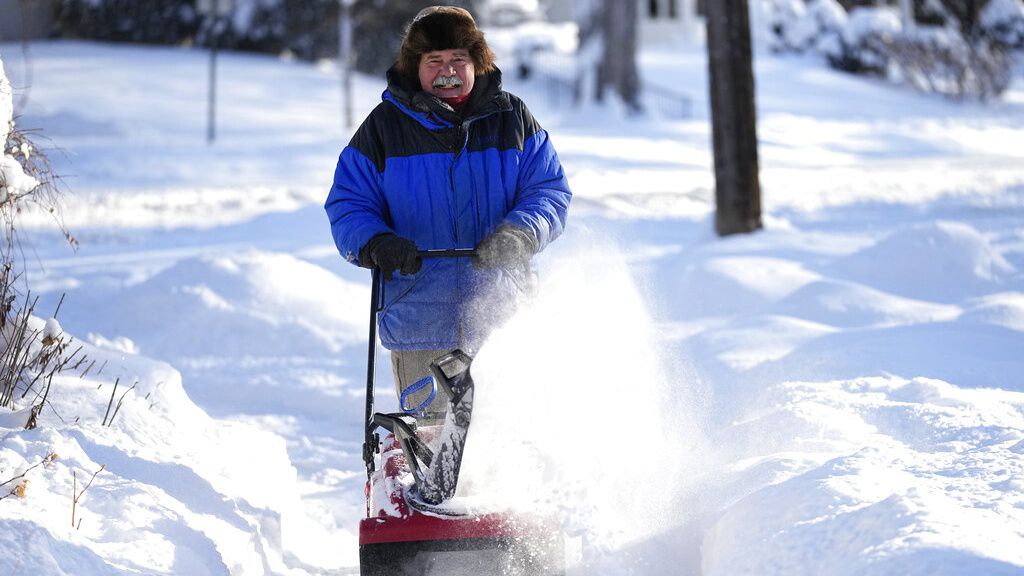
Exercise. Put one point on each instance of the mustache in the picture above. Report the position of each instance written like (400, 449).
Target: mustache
(447, 82)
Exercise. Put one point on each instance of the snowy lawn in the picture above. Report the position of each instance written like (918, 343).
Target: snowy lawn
(840, 393)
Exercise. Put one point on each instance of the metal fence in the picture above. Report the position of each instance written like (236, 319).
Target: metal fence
(667, 102)
(564, 89)
(561, 92)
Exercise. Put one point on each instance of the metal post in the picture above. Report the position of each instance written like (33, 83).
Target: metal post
(214, 11)
(345, 57)
(211, 107)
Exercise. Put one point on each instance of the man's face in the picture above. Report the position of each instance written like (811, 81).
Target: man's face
(447, 73)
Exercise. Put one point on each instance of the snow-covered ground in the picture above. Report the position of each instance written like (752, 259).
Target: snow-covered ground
(840, 393)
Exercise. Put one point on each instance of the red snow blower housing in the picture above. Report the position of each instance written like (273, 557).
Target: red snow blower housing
(412, 472)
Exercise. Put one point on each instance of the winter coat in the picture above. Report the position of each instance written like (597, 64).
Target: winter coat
(420, 170)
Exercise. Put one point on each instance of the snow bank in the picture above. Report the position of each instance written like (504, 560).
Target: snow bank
(175, 492)
(910, 303)
(939, 261)
(246, 303)
(851, 305)
(711, 286)
(876, 476)
(1004, 309)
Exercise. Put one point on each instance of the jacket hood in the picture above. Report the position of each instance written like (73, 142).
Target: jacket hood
(487, 97)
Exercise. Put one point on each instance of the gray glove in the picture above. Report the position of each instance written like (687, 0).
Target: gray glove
(509, 246)
(389, 253)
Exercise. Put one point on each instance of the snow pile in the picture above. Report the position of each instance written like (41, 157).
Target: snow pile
(172, 491)
(922, 261)
(866, 431)
(853, 305)
(1004, 309)
(876, 476)
(248, 303)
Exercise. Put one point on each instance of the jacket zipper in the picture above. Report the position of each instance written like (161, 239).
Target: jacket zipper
(455, 196)
(456, 152)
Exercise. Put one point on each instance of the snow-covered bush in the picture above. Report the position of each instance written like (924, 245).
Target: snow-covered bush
(993, 21)
(782, 20)
(960, 56)
(941, 61)
(861, 47)
(1003, 22)
(931, 13)
(795, 25)
(821, 26)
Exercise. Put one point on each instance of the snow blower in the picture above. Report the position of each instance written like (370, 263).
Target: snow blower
(408, 529)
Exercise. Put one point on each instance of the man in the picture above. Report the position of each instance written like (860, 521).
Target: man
(447, 160)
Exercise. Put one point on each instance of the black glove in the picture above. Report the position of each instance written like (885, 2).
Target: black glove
(509, 246)
(389, 253)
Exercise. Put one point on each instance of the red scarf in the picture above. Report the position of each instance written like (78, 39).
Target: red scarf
(456, 102)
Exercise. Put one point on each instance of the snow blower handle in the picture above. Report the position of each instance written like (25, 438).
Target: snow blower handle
(448, 253)
(376, 295)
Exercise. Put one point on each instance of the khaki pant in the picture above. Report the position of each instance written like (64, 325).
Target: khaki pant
(408, 367)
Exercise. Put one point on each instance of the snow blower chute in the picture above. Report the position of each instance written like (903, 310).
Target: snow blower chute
(408, 529)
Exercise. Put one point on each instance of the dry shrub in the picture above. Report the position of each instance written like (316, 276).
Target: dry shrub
(946, 64)
(32, 353)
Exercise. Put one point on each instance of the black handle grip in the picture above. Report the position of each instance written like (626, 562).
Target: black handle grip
(448, 253)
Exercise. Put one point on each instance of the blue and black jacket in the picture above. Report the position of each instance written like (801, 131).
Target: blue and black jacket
(419, 169)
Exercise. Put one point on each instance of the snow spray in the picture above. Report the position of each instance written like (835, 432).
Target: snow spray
(575, 413)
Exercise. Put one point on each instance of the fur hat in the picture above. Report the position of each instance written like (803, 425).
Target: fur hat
(443, 28)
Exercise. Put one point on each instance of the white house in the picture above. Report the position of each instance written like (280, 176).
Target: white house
(661, 21)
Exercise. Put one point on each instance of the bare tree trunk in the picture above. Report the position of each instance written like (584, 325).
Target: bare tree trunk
(618, 64)
(734, 118)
